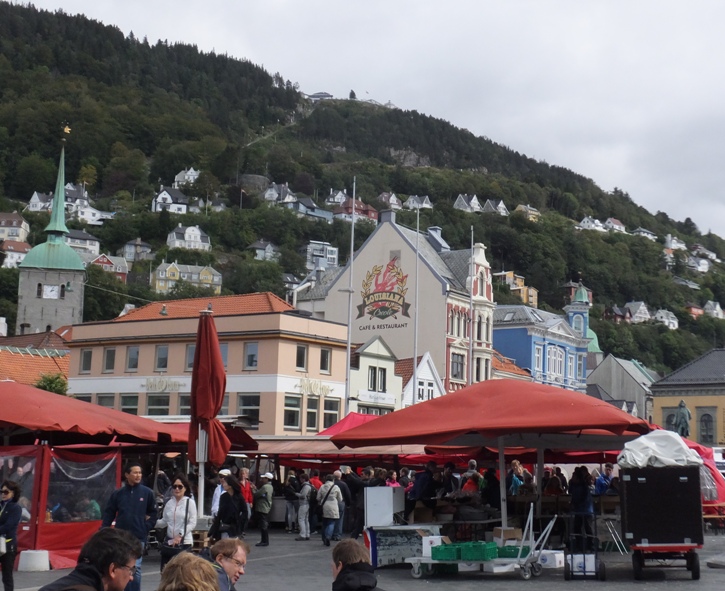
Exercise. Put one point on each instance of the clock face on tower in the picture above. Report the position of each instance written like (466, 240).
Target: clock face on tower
(51, 292)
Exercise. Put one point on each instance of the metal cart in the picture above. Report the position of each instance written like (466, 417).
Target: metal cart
(581, 560)
(662, 517)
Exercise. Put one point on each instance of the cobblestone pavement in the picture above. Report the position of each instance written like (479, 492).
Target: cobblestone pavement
(306, 566)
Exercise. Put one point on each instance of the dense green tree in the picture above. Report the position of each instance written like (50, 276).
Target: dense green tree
(104, 295)
(56, 383)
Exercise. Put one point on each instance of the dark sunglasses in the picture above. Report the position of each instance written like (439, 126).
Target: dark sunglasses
(5, 491)
(178, 486)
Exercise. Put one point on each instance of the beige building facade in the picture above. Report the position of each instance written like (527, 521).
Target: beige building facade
(384, 299)
(285, 370)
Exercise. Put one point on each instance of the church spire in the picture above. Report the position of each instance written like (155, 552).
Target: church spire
(56, 227)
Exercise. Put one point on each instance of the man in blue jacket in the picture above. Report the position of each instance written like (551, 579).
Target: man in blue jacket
(133, 508)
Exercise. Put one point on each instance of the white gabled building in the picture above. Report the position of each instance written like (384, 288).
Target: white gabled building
(713, 309)
(590, 223)
(674, 243)
(189, 237)
(667, 318)
(186, 176)
(614, 225)
(640, 312)
(645, 234)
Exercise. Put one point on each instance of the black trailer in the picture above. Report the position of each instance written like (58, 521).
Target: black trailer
(662, 516)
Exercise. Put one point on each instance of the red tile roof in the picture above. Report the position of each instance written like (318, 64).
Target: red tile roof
(501, 363)
(404, 368)
(14, 246)
(234, 305)
(37, 340)
(28, 366)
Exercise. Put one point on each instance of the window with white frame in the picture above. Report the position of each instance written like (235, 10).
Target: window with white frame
(332, 412)
(578, 324)
(184, 404)
(162, 358)
(325, 360)
(189, 359)
(421, 390)
(373, 410)
(382, 379)
(301, 358)
(555, 362)
(106, 400)
(109, 360)
(580, 367)
(248, 406)
(251, 354)
(372, 379)
(538, 358)
(86, 359)
(313, 407)
(157, 404)
(292, 407)
(132, 358)
(457, 366)
(571, 363)
(129, 403)
(429, 390)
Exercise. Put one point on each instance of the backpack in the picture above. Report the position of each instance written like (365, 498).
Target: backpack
(312, 498)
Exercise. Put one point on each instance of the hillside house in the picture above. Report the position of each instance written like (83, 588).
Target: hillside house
(686, 282)
(336, 197)
(492, 207)
(306, 207)
(572, 288)
(530, 213)
(674, 243)
(13, 252)
(391, 201)
(699, 265)
(694, 310)
(667, 318)
(171, 200)
(186, 176)
(13, 227)
(467, 203)
(91, 216)
(81, 241)
(618, 315)
(418, 202)
(713, 309)
(700, 251)
(264, 251)
(640, 312)
(644, 233)
(115, 265)
(590, 223)
(319, 255)
(136, 250)
(363, 211)
(517, 285)
(166, 275)
(277, 194)
(189, 237)
(614, 225)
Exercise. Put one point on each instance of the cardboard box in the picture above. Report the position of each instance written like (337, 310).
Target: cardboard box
(508, 533)
(583, 564)
(430, 541)
(500, 542)
(552, 559)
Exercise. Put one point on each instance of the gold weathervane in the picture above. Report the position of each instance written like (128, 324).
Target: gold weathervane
(66, 129)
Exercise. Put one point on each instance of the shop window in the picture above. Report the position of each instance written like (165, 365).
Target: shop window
(292, 407)
(332, 412)
(162, 358)
(132, 358)
(129, 403)
(248, 406)
(157, 405)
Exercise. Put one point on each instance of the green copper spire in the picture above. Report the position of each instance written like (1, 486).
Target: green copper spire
(54, 253)
(57, 216)
(581, 294)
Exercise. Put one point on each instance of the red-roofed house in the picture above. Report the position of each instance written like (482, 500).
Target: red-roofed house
(13, 253)
(285, 369)
(362, 211)
(614, 225)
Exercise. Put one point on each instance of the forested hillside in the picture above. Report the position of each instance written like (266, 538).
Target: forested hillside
(142, 112)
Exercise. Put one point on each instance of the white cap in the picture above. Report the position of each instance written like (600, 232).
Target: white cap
(268, 476)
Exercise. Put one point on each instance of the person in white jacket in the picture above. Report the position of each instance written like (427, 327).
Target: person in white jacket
(179, 519)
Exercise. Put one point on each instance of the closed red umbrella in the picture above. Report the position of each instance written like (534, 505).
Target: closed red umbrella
(208, 386)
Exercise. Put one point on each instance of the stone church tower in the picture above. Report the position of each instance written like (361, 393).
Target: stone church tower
(50, 293)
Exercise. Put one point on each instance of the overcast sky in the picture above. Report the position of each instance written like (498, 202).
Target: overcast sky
(629, 94)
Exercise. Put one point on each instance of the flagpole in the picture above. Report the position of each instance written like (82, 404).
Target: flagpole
(349, 303)
(471, 324)
(417, 306)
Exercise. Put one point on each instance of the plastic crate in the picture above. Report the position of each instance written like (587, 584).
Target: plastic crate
(445, 569)
(478, 551)
(446, 552)
(513, 552)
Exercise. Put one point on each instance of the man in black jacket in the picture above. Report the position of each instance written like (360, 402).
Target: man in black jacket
(107, 562)
(133, 508)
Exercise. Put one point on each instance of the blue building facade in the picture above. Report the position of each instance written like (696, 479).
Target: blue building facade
(552, 347)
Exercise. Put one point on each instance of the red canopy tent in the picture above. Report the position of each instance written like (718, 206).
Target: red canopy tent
(353, 419)
(504, 413)
(54, 480)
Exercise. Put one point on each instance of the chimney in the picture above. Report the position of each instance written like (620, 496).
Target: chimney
(387, 215)
(436, 240)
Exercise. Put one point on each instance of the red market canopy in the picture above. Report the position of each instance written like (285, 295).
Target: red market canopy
(503, 412)
(28, 413)
(349, 421)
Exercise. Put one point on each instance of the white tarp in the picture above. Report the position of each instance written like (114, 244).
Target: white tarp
(658, 449)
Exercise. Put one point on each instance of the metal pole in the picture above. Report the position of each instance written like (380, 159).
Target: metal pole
(471, 324)
(417, 306)
(201, 451)
(502, 481)
(349, 303)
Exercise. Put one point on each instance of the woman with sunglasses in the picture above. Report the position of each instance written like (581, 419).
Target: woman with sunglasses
(179, 519)
(10, 513)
